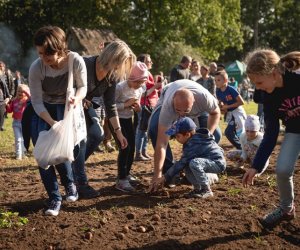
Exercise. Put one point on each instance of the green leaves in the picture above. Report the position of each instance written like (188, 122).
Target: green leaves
(9, 219)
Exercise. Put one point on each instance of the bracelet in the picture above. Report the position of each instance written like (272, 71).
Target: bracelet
(116, 129)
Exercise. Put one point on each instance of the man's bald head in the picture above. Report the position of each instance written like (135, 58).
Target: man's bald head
(183, 101)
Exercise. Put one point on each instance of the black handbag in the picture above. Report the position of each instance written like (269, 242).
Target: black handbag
(145, 115)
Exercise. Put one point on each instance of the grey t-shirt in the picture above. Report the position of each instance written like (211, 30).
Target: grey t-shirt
(50, 85)
(204, 101)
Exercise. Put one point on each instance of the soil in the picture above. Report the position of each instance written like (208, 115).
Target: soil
(167, 220)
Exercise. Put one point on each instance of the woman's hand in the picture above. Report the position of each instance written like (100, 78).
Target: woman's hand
(249, 177)
(74, 100)
(122, 139)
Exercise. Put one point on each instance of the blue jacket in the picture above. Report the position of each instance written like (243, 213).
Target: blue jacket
(201, 145)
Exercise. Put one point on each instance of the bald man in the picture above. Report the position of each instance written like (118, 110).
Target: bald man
(180, 98)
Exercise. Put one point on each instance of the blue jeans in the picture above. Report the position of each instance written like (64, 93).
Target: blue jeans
(231, 135)
(48, 176)
(288, 156)
(197, 169)
(141, 138)
(202, 119)
(152, 132)
(95, 136)
(19, 145)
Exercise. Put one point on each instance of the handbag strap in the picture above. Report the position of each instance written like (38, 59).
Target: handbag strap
(70, 76)
(70, 89)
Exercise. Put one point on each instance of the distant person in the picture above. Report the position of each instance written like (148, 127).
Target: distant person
(17, 81)
(213, 68)
(233, 83)
(206, 80)
(278, 80)
(195, 74)
(231, 103)
(200, 155)
(4, 96)
(182, 70)
(17, 106)
(8, 78)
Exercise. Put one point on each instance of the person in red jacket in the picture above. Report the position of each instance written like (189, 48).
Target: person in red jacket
(17, 106)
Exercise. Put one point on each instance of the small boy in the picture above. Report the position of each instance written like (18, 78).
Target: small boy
(231, 105)
(201, 155)
(250, 141)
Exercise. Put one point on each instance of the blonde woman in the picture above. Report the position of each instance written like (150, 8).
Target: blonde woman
(104, 71)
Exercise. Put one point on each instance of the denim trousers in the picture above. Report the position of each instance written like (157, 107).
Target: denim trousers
(202, 119)
(230, 133)
(287, 159)
(126, 155)
(95, 135)
(197, 169)
(19, 142)
(152, 132)
(48, 176)
(141, 138)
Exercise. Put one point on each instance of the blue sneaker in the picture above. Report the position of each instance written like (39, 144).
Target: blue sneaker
(71, 193)
(53, 208)
(276, 217)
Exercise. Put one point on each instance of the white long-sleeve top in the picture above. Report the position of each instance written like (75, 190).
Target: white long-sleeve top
(123, 94)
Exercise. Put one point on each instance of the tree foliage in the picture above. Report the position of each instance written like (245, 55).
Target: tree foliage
(207, 30)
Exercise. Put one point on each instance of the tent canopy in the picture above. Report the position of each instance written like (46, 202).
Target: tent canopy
(236, 69)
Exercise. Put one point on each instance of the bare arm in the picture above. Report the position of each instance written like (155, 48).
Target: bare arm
(160, 150)
(213, 119)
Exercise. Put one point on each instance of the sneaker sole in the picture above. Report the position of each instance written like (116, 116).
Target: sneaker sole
(124, 190)
(72, 200)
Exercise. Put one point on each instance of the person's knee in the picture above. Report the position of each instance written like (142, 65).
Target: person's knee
(283, 170)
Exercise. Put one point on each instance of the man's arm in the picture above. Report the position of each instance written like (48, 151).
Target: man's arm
(160, 150)
(213, 119)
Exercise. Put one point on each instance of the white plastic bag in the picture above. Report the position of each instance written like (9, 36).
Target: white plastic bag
(56, 145)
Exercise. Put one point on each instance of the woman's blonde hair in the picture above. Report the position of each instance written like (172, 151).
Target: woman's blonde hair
(264, 61)
(117, 58)
(52, 39)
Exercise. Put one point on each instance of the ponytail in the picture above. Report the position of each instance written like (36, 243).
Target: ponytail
(291, 61)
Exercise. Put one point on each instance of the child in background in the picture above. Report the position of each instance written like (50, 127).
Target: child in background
(231, 104)
(201, 155)
(127, 96)
(17, 107)
(250, 141)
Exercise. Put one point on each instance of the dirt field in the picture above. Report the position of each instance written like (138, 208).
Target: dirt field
(117, 221)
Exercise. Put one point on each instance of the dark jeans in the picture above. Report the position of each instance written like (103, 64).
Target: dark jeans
(231, 135)
(64, 169)
(95, 136)
(203, 124)
(126, 155)
(2, 112)
(152, 132)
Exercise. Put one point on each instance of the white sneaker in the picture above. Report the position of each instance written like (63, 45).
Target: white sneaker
(71, 193)
(132, 179)
(53, 208)
(125, 186)
(212, 178)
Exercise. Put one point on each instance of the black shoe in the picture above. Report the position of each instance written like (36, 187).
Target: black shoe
(87, 192)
